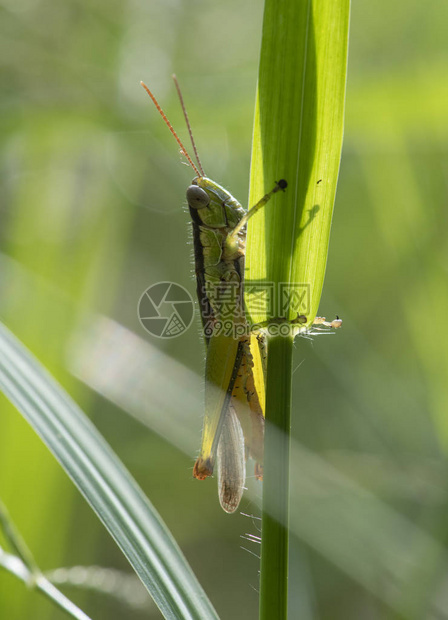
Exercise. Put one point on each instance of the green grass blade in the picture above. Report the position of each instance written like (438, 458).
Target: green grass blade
(298, 137)
(15, 540)
(108, 487)
(275, 518)
(14, 565)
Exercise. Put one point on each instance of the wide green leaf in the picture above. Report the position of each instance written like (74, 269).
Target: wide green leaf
(298, 132)
(105, 483)
(298, 137)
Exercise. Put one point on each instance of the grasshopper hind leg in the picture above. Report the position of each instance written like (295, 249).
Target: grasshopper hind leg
(231, 463)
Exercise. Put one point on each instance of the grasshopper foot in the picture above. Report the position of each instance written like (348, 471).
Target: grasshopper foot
(202, 468)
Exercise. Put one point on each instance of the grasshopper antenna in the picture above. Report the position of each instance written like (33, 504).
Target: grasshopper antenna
(184, 109)
(170, 127)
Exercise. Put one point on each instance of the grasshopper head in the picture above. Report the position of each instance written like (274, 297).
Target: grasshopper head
(196, 196)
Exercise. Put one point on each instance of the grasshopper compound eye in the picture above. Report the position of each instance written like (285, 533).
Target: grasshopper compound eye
(197, 197)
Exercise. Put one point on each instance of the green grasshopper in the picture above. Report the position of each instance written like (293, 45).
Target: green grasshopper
(236, 358)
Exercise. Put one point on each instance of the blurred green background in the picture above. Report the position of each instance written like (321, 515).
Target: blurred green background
(92, 188)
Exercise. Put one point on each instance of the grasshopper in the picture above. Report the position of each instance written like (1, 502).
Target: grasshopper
(236, 358)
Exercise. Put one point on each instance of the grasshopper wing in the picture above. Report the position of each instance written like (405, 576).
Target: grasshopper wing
(231, 462)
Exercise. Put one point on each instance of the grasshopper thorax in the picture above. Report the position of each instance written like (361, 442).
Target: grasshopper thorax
(215, 192)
